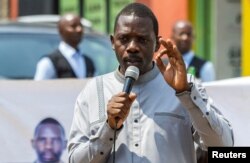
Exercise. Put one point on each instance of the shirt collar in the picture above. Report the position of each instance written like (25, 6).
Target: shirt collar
(148, 76)
(187, 57)
(67, 50)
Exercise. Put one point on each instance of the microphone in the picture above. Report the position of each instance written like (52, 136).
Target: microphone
(131, 75)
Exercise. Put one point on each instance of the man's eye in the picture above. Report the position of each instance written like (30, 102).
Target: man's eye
(56, 141)
(123, 39)
(41, 140)
(142, 40)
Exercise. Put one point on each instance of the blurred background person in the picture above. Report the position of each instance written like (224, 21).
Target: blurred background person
(183, 35)
(49, 141)
(66, 61)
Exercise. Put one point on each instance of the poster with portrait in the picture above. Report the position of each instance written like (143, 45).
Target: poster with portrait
(24, 103)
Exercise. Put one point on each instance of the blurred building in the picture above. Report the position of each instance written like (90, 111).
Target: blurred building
(34, 7)
(14, 8)
(4, 9)
(221, 26)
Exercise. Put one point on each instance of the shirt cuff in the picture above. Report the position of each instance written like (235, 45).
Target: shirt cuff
(196, 97)
(198, 104)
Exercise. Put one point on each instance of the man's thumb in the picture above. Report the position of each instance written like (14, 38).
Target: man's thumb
(132, 96)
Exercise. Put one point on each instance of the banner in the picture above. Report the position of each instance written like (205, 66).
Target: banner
(233, 95)
(24, 103)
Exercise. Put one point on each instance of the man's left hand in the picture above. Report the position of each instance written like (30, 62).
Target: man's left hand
(174, 72)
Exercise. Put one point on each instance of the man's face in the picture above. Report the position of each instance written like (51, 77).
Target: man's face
(134, 42)
(71, 30)
(49, 143)
(183, 37)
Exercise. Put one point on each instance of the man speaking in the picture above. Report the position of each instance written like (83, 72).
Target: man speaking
(156, 122)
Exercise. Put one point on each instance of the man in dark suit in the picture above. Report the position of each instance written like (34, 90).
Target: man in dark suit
(183, 36)
(66, 61)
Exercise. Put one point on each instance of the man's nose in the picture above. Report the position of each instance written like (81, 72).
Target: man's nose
(48, 144)
(132, 46)
(79, 29)
(184, 36)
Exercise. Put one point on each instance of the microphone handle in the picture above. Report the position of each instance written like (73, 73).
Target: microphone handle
(128, 85)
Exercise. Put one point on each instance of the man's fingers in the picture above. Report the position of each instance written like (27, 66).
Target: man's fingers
(169, 47)
(177, 53)
(159, 63)
(174, 56)
(119, 106)
(132, 97)
(163, 42)
(117, 112)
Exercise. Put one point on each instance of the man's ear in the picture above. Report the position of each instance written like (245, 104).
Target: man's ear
(60, 30)
(112, 41)
(32, 141)
(157, 45)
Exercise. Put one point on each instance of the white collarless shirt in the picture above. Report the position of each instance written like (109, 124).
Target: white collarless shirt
(158, 126)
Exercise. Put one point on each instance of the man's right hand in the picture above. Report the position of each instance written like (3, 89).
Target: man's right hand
(118, 109)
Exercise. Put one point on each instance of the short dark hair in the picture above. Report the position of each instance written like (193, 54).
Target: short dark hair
(49, 120)
(139, 10)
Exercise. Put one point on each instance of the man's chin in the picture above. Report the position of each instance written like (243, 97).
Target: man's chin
(136, 64)
(50, 160)
(183, 50)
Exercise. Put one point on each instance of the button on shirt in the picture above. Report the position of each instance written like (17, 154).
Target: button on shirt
(46, 70)
(207, 72)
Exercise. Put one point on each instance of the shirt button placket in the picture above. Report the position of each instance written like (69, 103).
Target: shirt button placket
(136, 130)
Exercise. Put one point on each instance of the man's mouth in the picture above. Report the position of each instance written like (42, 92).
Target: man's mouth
(48, 156)
(136, 63)
(133, 60)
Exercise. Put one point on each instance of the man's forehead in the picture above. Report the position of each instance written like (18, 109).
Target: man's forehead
(135, 21)
(48, 129)
(132, 17)
(182, 25)
(69, 17)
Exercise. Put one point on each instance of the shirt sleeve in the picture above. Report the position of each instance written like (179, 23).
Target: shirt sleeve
(212, 127)
(89, 142)
(45, 69)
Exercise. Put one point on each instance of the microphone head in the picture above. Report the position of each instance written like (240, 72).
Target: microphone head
(132, 72)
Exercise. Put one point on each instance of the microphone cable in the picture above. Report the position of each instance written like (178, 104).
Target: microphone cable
(114, 142)
(131, 75)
